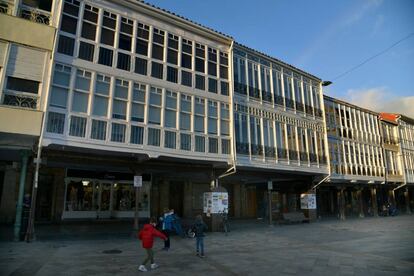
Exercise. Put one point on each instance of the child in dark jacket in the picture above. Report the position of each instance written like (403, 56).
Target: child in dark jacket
(199, 227)
(146, 235)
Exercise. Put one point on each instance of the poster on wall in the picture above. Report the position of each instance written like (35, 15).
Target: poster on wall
(215, 202)
(308, 201)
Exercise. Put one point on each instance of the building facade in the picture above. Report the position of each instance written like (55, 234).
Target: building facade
(115, 89)
(406, 134)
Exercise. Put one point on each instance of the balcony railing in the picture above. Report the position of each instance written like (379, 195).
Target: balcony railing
(293, 155)
(240, 88)
(279, 100)
(5, 7)
(290, 103)
(270, 152)
(313, 157)
(309, 109)
(20, 100)
(242, 148)
(299, 106)
(35, 15)
(267, 96)
(303, 156)
(257, 149)
(254, 92)
(281, 153)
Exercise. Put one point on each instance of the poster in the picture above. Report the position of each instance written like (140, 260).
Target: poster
(216, 202)
(308, 201)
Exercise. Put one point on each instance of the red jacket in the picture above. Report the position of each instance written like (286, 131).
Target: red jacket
(147, 234)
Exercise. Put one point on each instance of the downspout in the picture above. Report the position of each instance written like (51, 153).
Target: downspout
(232, 169)
(320, 182)
(55, 11)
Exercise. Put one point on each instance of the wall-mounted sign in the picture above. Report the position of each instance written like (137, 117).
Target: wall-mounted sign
(215, 202)
(308, 201)
(137, 180)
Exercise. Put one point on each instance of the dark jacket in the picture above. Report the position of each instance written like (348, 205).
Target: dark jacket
(199, 227)
(147, 234)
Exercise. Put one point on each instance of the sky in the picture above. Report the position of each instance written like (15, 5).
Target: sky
(325, 38)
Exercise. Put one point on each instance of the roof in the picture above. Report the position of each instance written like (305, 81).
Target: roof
(349, 104)
(407, 119)
(278, 60)
(167, 12)
(389, 117)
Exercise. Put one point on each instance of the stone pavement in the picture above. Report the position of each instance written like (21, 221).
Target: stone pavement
(370, 246)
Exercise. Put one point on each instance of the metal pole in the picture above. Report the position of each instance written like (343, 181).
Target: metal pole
(136, 217)
(19, 207)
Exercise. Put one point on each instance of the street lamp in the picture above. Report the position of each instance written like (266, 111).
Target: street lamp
(326, 83)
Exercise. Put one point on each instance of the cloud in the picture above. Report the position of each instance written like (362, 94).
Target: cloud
(381, 100)
(359, 12)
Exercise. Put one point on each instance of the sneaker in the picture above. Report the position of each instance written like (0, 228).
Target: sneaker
(142, 268)
(154, 266)
(202, 256)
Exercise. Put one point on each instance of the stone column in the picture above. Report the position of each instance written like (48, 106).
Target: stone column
(164, 191)
(188, 199)
(341, 203)
(360, 202)
(391, 197)
(407, 201)
(374, 203)
(236, 200)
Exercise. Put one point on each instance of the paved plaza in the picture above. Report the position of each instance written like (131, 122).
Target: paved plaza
(370, 246)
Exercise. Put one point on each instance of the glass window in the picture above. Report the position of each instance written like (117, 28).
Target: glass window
(137, 135)
(124, 62)
(200, 82)
(105, 56)
(142, 47)
(185, 143)
(86, 51)
(137, 112)
(186, 78)
(22, 85)
(66, 45)
(153, 137)
(140, 66)
(77, 126)
(224, 88)
(68, 24)
(121, 89)
(172, 74)
(170, 139)
(98, 130)
(125, 42)
(157, 70)
(102, 85)
(225, 146)
(55, 122)
(119, 109)
(157, 52)
(200, 144)
(100, 106)
(118, 133)
(88, 30)
(212, 85)
(212, 145)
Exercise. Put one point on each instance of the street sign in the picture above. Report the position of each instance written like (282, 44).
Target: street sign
(137, 180)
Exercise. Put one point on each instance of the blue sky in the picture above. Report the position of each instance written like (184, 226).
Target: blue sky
(325, 38)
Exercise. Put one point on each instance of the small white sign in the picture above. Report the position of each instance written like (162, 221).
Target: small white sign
(269, 185)
(137, 181)
(308, 201)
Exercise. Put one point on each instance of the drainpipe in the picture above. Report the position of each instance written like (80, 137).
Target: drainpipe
(320, 182)
(19, 208)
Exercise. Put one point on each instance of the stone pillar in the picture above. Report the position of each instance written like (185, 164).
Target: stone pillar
(360, 202)
(8, 200)
(374, 202)
(188, 199)
(341, 203)
(391, 197)
(164, 191)
(407, 201)
(236, 200)
(19, 207)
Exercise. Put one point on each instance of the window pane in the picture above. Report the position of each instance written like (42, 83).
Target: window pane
(212, 126)
(137, 112)
(86, 51)
(212, 145)
(199, 63)
(68, 24)
(140, 66)
(102, 87)
(224, 128)
(107, 37)
(185, 121)
(185, 143)
(61, 78)
(118, 133)
(66, 45)
(98, 130)
(170, 119)
(186, 78)
(200, 82)
(125, 42)
(142, 47)
(55, 122)
(186, 61)
(154, 116)
(172, 56)
(212, 69)
(59, 97)
(212, 85)
(225, 146)
(77, 126)
(105, 56)
(157, 70)
(153, 137)
(124, 62)
(22, 85)
(200, 144)
(157, 52)
(199, 124)
(88, 30)
(170, 139)
(119, 110)
(224, 88)
(172, 74)
(100, 106)
(137, 135)
(80, 102)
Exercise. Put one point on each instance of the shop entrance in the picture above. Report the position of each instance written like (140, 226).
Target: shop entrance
(104, 199)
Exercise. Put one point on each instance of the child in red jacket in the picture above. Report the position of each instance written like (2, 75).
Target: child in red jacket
(146, 235)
